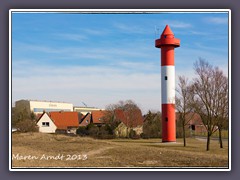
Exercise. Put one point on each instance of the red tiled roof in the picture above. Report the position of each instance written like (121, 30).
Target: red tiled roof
(63, 120)
(97, 116)
(131, 118)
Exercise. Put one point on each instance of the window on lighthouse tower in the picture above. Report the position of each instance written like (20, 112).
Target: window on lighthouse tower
(165, 77)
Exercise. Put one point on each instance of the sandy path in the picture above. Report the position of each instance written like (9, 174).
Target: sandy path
(98, 151)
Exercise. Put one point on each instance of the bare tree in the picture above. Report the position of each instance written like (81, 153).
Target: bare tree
(109, 117)
(207, 89)
(221, 104)
(129, 109)
(183, 104)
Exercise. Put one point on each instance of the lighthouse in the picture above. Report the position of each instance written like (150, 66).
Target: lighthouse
(168, 43)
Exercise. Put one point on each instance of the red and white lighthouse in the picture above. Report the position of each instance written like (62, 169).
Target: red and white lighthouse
(167, 43)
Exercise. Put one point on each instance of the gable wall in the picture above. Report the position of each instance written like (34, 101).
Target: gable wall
(52, 127)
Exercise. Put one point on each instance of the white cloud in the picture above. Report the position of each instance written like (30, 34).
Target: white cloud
(140, 66)
(177, 24)
(95, 31)
(24, 47)
(199, 33)
(70, 36)
(217, 20)
(91, 31)
(102, 52)
(128, 28)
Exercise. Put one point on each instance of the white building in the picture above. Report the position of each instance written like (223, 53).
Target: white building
(38, 107)
(46, 124)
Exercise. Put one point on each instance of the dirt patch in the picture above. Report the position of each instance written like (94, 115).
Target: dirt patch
(98, 151)
(148, 162)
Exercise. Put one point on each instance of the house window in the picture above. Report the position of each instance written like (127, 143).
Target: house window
(166, 119)
(193, 127)
(165, 77)
(86, 121)
(45, 124)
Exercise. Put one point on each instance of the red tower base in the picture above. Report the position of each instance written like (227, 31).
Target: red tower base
(168, 123)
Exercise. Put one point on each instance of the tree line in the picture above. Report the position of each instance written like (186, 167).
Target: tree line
(206, 95)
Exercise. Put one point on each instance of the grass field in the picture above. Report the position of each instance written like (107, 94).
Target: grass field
(54, 150)
(215, 134)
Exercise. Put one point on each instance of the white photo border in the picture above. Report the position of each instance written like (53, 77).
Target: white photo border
(118, 11)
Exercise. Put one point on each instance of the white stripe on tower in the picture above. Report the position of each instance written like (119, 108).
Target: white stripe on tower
(168, 84)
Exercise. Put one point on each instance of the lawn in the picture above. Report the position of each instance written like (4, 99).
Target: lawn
(55, 150)
(215, 134)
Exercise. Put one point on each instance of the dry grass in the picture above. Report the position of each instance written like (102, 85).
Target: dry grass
(115, 153)
(215, 134)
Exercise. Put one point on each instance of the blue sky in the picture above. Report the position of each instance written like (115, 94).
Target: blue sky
(100, 59)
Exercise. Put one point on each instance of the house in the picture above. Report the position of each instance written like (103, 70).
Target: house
(46, 124)
(58, 122)
(195, 123)
(95, 117)
(129, 119)
(84, 110)
(65, 121)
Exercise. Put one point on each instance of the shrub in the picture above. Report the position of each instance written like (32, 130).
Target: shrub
(82, 131)
(152, 127)
(27, 126)
(89, 126)
(132, 133)
(100, 132)
(144, 136)
(103, 133)
(93, 131)
(109, 129)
